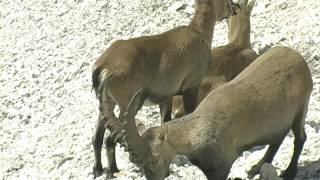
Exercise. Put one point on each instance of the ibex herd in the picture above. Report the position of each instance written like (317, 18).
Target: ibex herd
(225, 111)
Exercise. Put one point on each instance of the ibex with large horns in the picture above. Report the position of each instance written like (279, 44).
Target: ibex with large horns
(166, 64)
(229, 60)
(258, 107)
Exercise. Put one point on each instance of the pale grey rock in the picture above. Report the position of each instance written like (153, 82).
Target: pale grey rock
(268, 172)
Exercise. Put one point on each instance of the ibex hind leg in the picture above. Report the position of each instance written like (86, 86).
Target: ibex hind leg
(116, 135)
(299, 139)
(111, 155)
(108, 121)
(97, 141)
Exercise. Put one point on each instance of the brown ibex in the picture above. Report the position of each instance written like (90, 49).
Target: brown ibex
(258, 107)
(229, 60)
(166, 64)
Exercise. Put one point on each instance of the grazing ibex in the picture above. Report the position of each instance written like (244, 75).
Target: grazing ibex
(258, 107)
(229, 60)
(166, 64)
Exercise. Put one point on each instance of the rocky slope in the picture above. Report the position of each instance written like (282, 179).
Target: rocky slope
(48, 111)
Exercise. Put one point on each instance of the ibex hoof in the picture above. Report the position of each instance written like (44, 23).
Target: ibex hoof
(110, 173)
(288, 175)
(97, 171)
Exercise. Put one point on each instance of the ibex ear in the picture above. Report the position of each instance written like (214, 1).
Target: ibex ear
(161, 135)
(251, 4)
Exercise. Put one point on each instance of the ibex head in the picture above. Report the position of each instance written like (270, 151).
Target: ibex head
(221, 12)
(244, 6)
(151, 150)
(221, 8)
(239, 25)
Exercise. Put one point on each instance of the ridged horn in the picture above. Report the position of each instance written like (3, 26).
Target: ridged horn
(136, 144)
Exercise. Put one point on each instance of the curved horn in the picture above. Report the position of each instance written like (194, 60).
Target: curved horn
(234, 5)
(242, 3)
(136, 144)
(230, 4)
(251, 4)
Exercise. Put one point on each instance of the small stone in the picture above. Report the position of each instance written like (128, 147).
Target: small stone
(268, 172)
(176, 6)
(283, 5)
(35, 75)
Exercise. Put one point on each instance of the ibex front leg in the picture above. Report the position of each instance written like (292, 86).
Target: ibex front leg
(299, 140)
(165, 110)
(190, 98)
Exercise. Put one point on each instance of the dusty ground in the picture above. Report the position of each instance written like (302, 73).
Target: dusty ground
(47, 109)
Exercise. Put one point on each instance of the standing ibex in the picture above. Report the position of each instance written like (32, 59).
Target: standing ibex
(229, 60)
(258, 107)
(165, 64)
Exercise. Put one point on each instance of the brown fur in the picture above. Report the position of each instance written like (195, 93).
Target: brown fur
(166, 64)
(227, 61)
(258, 107)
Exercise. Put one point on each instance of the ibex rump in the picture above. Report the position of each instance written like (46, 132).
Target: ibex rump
(258, 107)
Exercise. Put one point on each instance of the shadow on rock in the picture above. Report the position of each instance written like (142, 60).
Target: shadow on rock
(310, 171)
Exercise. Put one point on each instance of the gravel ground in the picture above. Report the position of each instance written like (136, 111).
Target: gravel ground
(48, 111)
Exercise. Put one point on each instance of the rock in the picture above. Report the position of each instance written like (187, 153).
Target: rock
(268, 172)
(265, 48)
(64, 160)
(177, 5)
(283, 5)
(181, 161)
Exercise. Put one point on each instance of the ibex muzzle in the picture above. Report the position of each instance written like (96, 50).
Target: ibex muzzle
(258, 107)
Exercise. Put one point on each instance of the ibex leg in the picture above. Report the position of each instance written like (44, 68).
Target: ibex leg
(267, 158)
(97, 141)
(299, 139)
(190, 98)
(116, 136)
(165, 110)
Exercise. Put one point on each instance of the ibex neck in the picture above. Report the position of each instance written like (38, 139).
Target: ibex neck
(239, 32)
(204, 20)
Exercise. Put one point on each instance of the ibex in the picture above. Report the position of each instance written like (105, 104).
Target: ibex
(229, 60)
(166, 64)
(258, 107)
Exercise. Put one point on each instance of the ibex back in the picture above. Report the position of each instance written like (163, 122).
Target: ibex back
(166, 64)
(258, 107)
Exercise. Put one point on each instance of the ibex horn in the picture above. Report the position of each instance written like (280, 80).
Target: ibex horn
(136, 144)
